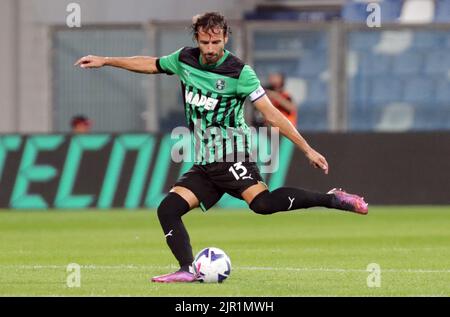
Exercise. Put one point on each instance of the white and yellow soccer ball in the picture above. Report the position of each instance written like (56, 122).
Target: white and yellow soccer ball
(212, 265)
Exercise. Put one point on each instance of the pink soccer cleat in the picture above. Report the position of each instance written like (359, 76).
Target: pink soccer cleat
(350, 202)
(175, 277)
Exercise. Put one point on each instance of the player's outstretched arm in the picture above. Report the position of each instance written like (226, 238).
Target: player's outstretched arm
(139, 64)
(276, 119)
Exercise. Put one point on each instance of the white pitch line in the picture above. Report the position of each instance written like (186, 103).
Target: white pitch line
(257, 268)
(243, 268)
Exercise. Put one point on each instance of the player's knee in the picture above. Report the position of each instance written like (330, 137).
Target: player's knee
(173, 205)
(261, 204)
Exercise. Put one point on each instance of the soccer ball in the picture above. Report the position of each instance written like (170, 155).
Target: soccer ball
(212, 265)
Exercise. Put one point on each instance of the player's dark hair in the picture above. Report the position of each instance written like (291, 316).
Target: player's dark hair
(209, 22)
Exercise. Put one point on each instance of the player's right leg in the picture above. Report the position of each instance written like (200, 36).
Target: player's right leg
(176, 204)
(265, 202)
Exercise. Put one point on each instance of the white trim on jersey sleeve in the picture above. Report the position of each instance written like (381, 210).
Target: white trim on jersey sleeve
(258, 93)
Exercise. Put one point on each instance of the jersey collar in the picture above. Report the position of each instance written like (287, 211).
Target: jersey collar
(219, 62)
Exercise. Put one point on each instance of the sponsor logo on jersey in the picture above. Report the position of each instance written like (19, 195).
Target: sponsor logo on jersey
(201, 101)
(220, 84)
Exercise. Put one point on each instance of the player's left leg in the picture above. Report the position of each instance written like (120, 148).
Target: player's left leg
(264, 202)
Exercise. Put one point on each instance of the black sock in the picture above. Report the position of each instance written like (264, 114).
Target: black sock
(287, 198)
(170, 211)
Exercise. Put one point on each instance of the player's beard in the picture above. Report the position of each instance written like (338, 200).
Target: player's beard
(211, 58)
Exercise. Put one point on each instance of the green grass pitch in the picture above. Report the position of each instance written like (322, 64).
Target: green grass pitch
(316, 252)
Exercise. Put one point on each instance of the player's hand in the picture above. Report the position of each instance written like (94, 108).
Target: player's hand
(317, 160)
(91, 61)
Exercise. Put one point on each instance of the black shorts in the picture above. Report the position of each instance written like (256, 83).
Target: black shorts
(209, 182)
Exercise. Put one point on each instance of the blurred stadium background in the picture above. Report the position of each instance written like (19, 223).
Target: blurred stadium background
(374, 100)
(376, 90)
(344, 75)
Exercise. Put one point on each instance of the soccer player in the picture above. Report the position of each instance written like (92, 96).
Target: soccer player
(215, 84)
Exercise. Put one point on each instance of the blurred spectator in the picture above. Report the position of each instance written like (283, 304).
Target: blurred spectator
(80, 124)
(280, 98)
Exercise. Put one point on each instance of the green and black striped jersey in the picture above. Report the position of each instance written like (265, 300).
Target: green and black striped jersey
(214, 97)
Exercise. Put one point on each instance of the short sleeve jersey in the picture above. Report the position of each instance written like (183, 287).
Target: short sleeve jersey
(214, 97)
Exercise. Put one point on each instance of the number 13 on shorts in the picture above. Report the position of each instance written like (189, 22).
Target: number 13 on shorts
(236, 168)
